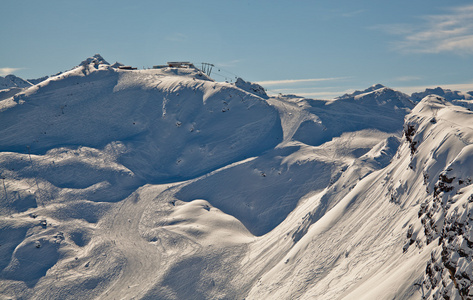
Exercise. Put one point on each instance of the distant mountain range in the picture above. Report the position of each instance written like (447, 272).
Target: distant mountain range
(12, 81)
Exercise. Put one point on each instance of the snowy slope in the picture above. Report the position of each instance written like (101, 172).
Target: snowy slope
(95, 134)
(164, 184)
(270, 186)
(37, 80)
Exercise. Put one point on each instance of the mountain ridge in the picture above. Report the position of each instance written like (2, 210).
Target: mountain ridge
(12, 81)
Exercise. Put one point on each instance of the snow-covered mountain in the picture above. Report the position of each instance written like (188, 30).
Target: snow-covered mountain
(12, 81)
(11, 85)
(445, 93)
(374, 87)
(455, 97)
(164, 184)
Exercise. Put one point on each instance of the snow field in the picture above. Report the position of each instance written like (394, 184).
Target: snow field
(163, 184)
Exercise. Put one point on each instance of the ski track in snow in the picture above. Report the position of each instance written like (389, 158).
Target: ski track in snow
(143, 260)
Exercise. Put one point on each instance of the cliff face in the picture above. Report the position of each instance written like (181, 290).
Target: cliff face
(440, 137)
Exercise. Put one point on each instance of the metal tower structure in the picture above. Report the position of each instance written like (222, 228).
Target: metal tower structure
(207, 68)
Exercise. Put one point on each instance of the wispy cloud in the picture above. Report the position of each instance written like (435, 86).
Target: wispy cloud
(394, 29)
(177, 37)
(295, 81)
(230, 63)
(6, 71)
(305, 89)
(352, 13)
(407, 78)
(448, 32)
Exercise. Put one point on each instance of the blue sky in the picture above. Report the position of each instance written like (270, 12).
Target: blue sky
(318, 49)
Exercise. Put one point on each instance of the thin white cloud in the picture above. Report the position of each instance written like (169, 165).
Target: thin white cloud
(449, 32)
(230, 63)
(6, 71)
(307, 89)
(394, 29)
(177, 37)
(295, 81)
(407, 78)
(353, 13)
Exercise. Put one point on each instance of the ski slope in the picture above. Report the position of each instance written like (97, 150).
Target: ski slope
(164, 184)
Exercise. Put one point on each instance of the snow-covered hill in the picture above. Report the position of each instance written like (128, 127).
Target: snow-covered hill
(164, 184)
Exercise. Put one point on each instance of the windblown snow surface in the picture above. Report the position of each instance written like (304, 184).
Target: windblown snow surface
(164, 184)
